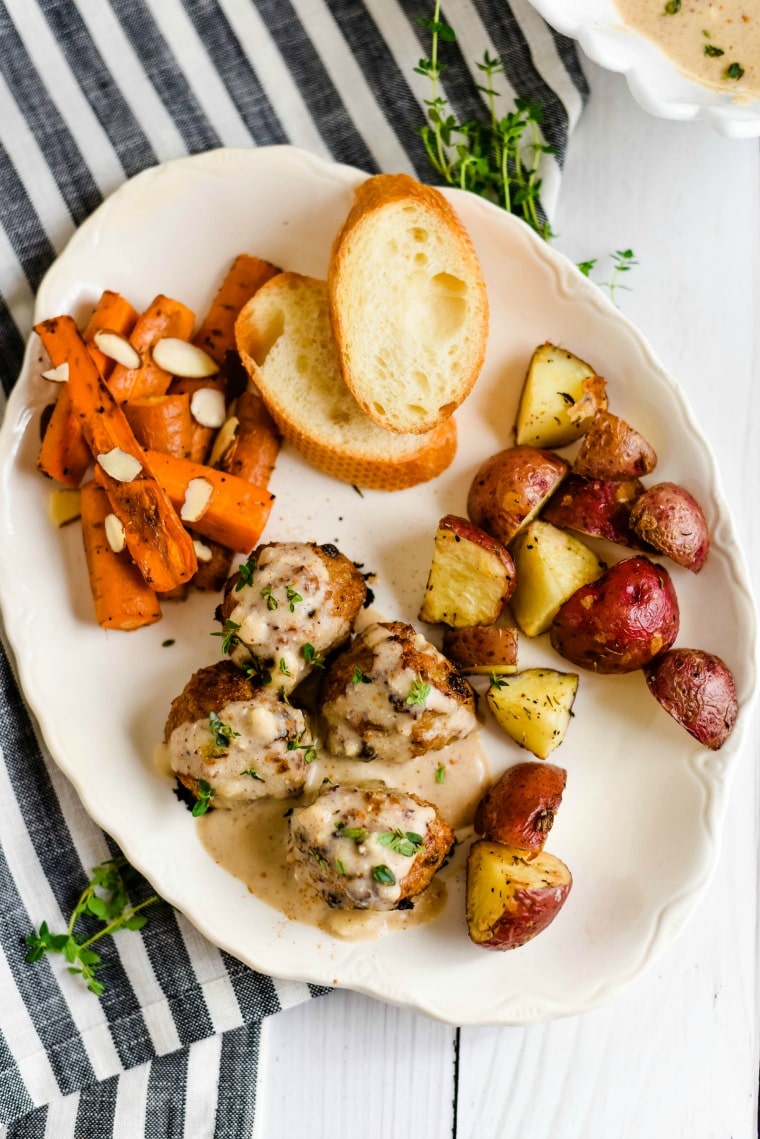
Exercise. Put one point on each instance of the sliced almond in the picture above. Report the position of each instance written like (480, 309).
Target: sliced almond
(183, 359)
(225, 439)
(208, 407)
(57, 375)
(120, 465)
(197, 498)
(117, 347)
(202, 552)
(116, 535)
(64, 505)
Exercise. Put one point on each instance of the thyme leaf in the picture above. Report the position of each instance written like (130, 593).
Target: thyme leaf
(229, 635)
(105, 897)
(419, 692)
(203, 797)
(403, 842)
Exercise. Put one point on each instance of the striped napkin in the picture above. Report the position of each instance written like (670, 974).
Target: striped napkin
(91, 93)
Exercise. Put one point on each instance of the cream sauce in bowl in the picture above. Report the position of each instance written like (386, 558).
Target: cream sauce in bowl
(714, 42)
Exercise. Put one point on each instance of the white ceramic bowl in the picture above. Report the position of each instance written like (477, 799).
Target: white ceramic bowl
(655, 82)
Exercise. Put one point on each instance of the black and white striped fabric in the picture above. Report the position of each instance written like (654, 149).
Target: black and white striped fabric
(92, 92)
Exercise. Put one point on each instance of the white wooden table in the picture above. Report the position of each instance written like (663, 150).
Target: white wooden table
(675, 1054)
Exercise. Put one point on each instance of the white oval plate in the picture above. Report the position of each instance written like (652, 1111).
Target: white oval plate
(640, 823)
(654, 80)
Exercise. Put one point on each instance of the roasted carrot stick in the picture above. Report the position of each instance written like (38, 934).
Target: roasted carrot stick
(257, 442)
(156, 539)
(216, 334)
(162, 317)
(122, 598)
(64, 455)
(236, 513)
(200, 437)
(251, 456)
(112, 312)
(162, 423)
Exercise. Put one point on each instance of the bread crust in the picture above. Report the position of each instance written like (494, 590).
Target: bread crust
(371, 199)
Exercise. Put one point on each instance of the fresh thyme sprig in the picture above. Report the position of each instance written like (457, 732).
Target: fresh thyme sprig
(223, 733)
(309, 750)
(104, 897)
(496, 157)
(418, 692)
(623, 260)
(203, 797)
(229, 635)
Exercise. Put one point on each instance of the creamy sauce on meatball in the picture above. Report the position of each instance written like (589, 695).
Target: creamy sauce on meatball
(714, 42)
(378, 718)
(251, 842)
(332, 847)
(248, 751)
(287, 608)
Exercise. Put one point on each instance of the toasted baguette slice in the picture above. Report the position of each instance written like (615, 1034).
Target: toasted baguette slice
(286, 344)
(408, 304)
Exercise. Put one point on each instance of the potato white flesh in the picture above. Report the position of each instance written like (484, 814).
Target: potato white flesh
(560, 397)
(64, 505)
(550, 565)
(471, 577)
(534, 707)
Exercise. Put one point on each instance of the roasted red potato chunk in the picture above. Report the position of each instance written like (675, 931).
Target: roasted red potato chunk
(697, 689)
(511, 487)
(511, 896)
(621, 621)
(600, 508)
(612, 449)
(560, 397)
(472, 576)
(519, 809)
(668, 518)
(483, 649)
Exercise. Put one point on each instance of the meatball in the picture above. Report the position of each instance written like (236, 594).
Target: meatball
(243, 740)
(393, 696)
(287, 606)
(368, 847)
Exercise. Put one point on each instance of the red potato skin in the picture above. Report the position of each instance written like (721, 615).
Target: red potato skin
(621, 621)
(510, 487)
(600, 508)
(697, 689)
(612, 449)
(671, 520)
(519, 809)
(483, 647)
(537, 911)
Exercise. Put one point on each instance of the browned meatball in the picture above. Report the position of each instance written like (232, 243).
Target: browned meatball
(367, 847)
(287, 607)
(243, 740)
(392, 695)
